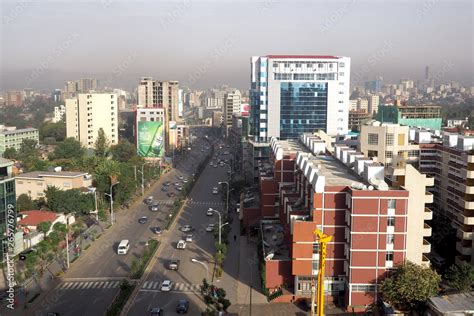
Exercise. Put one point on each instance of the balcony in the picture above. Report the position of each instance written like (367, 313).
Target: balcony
(427, 214)
(426, 247)
(469, 205)
(470, 174)
(427, 230)
(429, 181)
(428, 197)
(464, 250)
(470, 158)
(469, 189)
(425, 261)
(466, 220)
(464, 235)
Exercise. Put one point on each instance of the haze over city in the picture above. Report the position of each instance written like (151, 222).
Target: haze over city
(207, 43)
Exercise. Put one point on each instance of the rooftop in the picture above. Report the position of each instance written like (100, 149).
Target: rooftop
(41, 174)
(33, 218)
(334, 171)
(16, 131)
(462, 302)
(274, 247)
(304, 56)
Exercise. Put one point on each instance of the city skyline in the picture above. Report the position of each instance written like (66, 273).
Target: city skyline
(107, 47)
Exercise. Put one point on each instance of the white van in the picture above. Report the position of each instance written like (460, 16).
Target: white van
(123, 247)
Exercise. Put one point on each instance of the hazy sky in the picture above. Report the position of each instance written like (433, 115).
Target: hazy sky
(208, 43)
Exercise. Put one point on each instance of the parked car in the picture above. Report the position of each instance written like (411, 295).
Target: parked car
(149, 200)
(173, 265)
(179, 188)
(156, 230)
(186, 228)
(210, 227)
(156, 311)
(181, 244)
(143, 220)
(164, 189)
(180, 177)
(215, 190)
(210, 211)
(185, 180)
(166, 286)
(176, 184)
(171, 194)
(23, 255)
(182, 307)
(189, 238)
(167, 183)
(154, 208)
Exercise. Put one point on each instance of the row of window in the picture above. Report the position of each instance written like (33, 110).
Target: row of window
(308, 64)
(329, 76)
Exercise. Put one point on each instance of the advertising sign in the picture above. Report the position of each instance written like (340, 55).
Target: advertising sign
(151, 142)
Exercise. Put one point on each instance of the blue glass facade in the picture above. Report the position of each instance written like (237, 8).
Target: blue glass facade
(7, 200)
(303, 108)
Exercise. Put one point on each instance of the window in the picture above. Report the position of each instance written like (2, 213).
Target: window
(275, 65)
(315, 265)
(392, 203)
(389, 139)
(390, 221)
(390, 238)
(401, 139)
(316, 248)
(363, 288)
(373, 139)
(389, 256)
(67, 184)
(341, 74)
(20, 182)
(341, 65)
(388, 154)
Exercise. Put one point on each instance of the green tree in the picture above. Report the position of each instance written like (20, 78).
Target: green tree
(10, 153)
(410, 286)
(123, 151)
(101, 144)
(68, 201)
(53, 130)
(68, 149)
(28, 148)
(44, 227)
(25, 203)
(461, 277)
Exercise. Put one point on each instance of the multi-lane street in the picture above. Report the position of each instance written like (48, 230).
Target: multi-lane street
(185, 281)
(93, 280)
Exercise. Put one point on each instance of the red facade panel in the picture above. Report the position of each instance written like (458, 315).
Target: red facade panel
(364, 241)
(335, 250)
(303, 231)
(337, 233)
(302, 267)
(332, 217)
(335, 200)
(365, 206)
(359, 300)
(400, 224)
(364, 258)
(302, 250)
(334, 267)
(364, 224)
(277, 272)
(363, 275)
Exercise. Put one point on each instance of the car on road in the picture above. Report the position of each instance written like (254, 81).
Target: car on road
(156, 311)
(182, 307)
(210, 227)
(180, 177)
(171, 194)
(176, 184)
(156, 230)
(123, 247)
(143, 220)
(179, 188)
(185, 180)
(215, 166)
(189, 238)
(215, 190)
(167, 183)
(149, 200)
(226, 152)
(210, 211)
(173, 265)
(164, 189)
(186, 228)
(166, 286)
(23, 255)
(181, 244)
(154, 208)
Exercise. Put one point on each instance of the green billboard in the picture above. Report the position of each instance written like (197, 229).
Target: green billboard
(150, 140)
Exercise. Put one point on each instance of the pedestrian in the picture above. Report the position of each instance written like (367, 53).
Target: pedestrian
(235, 238)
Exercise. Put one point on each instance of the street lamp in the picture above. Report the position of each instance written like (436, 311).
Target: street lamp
(143, 186)
(96, 212)
(203, 264)
(111, 202)
(227, 203)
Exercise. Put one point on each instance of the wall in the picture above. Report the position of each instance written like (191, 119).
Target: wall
(277, 272)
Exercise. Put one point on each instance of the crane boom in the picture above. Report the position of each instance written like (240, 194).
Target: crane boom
(323, 240)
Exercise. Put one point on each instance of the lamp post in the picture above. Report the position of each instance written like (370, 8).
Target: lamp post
(67, 242)
(143, 185)
(96, 212)
(203, 264)
(227, 202)
(111, 202)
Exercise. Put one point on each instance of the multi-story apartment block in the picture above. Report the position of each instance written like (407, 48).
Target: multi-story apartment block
(7, 201)
(451, 163)
(357, 118)
(232, 103)
(376, 222)
(35, 183)
(15, 98)
(293, 94)
(387, 142)
(87, 113)
(374, 101)
(84, 85)
(159, 94)
(423, 116)
(59, 112)
(10, 137)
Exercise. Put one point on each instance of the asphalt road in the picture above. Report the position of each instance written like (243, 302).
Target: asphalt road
(92, 281)
(187, 279)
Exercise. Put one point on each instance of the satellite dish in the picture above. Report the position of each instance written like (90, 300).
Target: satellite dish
(379, 184)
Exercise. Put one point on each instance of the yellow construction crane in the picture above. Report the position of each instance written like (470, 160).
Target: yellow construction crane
(322, 239)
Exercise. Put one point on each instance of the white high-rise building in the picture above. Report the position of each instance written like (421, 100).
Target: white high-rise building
(59, 112)
(159, 94)
(294, 94)
(87, 113)
(374, 101)
(232, 102)
(147, 93)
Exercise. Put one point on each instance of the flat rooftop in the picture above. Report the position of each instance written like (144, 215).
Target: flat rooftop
(274, 247)
(40, 174)
(335, 172)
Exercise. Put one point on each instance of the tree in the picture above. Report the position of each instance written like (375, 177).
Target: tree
(68, 149)
(410, 286)
(101, 144)
(53, 130)
(25, 203)
(28, 148)
(123, 151)
(68, 201)
(44, 227)
(10, 153)
(461, 277)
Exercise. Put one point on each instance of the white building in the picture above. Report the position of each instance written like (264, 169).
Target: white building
(374, 101)
(159, 94)
(294, 94)
(147, 93)
(87, 113)
(59, 112)
(232, 103)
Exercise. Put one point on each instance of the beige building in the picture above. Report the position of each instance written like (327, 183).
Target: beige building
(10, 137)
(232, 102)
(389, 143)
(87, 113)
(35, 183)
(373, 105)
(159, 94)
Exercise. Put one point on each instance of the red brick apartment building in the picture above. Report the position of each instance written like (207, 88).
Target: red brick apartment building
(343, 194)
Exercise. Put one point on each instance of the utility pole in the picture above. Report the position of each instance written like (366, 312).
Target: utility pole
(111, 202)
(143, 184)
(67, 242)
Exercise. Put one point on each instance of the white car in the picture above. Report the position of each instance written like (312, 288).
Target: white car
(210, 211)
(166, 286)
(210, 227)
(181, 244)
(186, 228)
(189, 238)
(215, 190)
(185, 180)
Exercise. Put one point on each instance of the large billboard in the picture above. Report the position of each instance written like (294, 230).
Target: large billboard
(151, 140)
